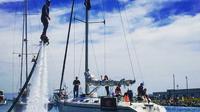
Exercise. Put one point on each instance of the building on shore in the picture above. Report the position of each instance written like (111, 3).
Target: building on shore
(177, 93)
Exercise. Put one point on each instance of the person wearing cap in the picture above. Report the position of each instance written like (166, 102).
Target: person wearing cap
(76, 84)
(45, 16)
(140, 91)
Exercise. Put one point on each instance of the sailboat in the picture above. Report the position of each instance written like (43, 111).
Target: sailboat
(20, 105)
(89, 103)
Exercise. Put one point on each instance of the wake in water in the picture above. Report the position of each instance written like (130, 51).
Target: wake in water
(38, 97)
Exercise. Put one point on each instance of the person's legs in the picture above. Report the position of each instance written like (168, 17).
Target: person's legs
(76, 93)
(45, 24)
(107, 90)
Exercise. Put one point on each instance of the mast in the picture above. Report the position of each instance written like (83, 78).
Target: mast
(26, 41)
(87, 7)
(66, 47)
(22, 56)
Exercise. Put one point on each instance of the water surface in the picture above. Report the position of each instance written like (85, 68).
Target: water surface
(4, 108)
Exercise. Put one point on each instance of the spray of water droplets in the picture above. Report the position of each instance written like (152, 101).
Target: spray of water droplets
(38, 97)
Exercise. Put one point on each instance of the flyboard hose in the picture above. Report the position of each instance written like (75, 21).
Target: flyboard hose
(26, 83)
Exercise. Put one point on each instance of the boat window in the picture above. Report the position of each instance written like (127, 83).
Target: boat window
(86, 101)
(96, 101)
(81, 100)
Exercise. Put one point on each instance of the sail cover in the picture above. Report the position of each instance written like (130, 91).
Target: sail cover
(91, 81)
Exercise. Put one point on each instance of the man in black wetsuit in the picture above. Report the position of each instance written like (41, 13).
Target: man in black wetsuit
(45, 17)
(76, 84)
(45, 21)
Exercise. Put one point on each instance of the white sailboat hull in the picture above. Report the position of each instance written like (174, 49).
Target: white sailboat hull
(70, 106)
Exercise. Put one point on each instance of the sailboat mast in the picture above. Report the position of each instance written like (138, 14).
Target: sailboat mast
(22, 56)
(24, 33)
(67, 44)
(26, 41)
(87, 5)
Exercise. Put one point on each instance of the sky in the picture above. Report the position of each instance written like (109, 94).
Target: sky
(159, 37)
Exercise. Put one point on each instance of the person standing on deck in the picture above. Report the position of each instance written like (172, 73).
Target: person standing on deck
(146, 97)
(45, 17)
(106, 87)
(118, 92)
(140, 91)
(76, 84)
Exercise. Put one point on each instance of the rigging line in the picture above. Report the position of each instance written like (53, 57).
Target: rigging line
(81, 59)
(25, 84)
(134, 49)
(67, 42)
(125, 39)
(104, 48)
(74, 40)
(18, 81)
(74, 49)
(103, 14)
(13, 71)
(82, 47)
(13, 46)
(94, 56)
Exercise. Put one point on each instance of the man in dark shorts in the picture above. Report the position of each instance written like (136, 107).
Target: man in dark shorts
(45, 20)
(76, 84)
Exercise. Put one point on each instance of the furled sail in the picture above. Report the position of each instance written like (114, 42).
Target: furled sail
(91, 81)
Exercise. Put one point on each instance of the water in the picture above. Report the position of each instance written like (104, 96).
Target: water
(38, 98)
(182, 109)
(4, 108)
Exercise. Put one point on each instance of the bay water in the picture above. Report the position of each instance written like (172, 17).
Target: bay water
(4, 108)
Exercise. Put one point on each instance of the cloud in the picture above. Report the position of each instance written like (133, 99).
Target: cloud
(3, 1)
(161, 49)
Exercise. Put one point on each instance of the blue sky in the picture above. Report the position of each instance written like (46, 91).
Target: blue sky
(162, 12)
(162, 36)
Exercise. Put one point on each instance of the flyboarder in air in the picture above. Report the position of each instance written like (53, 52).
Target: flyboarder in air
(45, 21)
